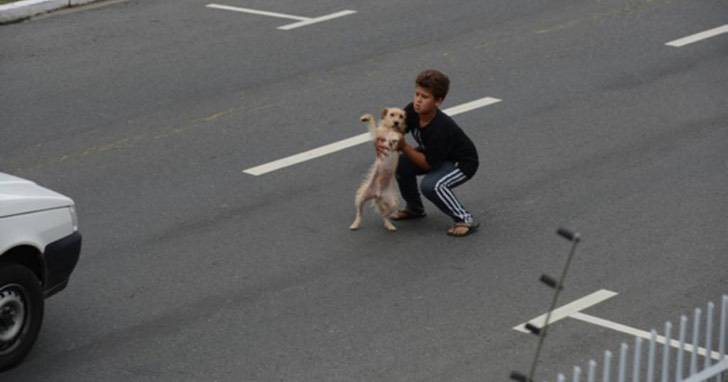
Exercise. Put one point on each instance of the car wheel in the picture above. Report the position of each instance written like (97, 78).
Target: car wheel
(21, 313)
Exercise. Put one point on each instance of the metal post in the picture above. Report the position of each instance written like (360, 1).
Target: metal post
(637, 355)
(622, 362)
(651, 357)
(721, 339)
(708, 335)
(575, 239)
(681, 349)
(666, 351)
(607, 365)
(592, 371)
(561, 378)
(577, 374)
(694, 353)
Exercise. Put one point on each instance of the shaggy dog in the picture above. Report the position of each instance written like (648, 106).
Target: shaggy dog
(379, 183)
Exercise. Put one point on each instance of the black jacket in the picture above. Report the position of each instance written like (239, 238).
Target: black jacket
(443, 140)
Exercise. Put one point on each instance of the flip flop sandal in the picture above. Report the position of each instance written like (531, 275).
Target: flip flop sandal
(470, 229)
(406, 214)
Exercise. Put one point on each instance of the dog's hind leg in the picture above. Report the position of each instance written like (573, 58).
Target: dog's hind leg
(386, 209)
(359, 204)
(361, 197)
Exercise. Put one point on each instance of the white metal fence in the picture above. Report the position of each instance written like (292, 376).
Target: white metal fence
(689, 363)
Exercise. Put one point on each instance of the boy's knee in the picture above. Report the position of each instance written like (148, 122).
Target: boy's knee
(428, 189)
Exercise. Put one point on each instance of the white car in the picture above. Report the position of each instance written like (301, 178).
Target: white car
(39, 247)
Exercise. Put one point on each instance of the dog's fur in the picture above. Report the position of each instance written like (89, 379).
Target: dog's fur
(379, 183)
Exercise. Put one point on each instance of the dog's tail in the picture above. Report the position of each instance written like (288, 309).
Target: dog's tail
(369, 119)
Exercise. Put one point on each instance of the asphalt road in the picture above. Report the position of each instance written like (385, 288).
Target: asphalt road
(147, 112)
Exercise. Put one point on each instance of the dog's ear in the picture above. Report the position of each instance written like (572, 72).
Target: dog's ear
(385, 111)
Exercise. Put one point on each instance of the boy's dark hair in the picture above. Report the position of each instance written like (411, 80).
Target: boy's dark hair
(435, 81)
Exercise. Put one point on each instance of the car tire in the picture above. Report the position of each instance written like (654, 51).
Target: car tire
(21, 313)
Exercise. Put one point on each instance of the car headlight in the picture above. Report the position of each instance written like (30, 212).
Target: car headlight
(74, 217)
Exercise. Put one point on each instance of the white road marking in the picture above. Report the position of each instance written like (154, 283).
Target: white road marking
(636, 332)
(709, 372)
(353, 141)
(316, 20)
(302, 21)
(308, 155)
(256, 12)
(472, 105)
(698, 36)
(568, 309)
(573, 310)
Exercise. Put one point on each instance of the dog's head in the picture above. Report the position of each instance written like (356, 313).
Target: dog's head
(394, 118)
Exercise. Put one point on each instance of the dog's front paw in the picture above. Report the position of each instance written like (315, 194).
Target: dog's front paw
(355, 225)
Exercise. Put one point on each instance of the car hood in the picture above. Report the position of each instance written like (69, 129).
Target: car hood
(20, 196)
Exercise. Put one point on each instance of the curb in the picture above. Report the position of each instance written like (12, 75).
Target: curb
(21, 10)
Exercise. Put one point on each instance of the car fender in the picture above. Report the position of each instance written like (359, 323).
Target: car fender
(36, 229)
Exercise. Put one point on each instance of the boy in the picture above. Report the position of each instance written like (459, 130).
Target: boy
(445, 156)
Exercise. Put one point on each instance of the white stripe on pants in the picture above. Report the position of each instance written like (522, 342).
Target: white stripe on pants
(442, 189)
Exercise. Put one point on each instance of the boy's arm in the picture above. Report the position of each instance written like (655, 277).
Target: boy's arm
(417, 157)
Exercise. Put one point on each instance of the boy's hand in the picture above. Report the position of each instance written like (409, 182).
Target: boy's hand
(401, 144)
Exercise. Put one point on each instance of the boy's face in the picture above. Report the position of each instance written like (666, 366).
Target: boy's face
(424, 102)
